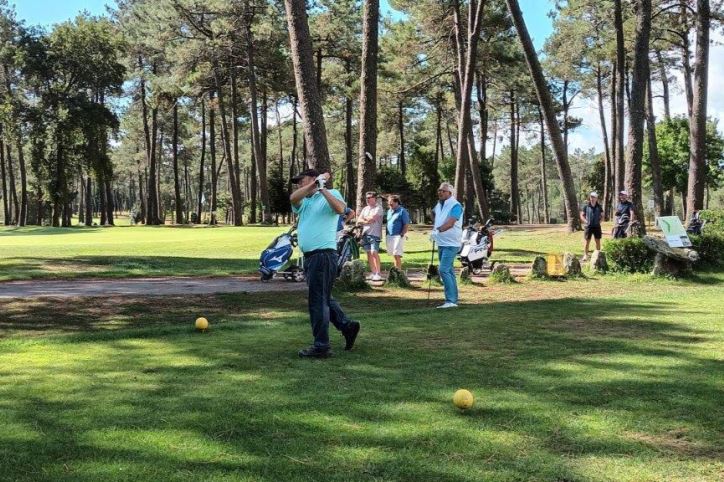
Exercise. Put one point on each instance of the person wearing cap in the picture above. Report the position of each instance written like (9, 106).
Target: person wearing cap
(371, 219)
(624, 208)
(398, 222)
(319, 209)
(591, 218)
(447, 232)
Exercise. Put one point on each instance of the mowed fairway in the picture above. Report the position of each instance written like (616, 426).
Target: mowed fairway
(132, 251)
(600, 379)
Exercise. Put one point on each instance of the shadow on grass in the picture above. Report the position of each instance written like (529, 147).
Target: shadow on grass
(77, 267)
(556, 380)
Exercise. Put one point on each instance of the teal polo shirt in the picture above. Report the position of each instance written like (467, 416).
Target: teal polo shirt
(317, 226)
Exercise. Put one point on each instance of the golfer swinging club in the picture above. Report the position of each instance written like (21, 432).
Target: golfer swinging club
(448, 230)
(319, 209)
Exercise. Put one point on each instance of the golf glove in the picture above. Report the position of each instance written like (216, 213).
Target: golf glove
(321, 181)
(433, 235)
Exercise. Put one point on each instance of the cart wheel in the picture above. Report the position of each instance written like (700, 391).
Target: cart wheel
(478, 271)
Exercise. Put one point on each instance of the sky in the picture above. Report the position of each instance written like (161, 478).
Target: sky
(49, 12)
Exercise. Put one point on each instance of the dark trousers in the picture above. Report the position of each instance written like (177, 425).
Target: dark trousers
(320, 269)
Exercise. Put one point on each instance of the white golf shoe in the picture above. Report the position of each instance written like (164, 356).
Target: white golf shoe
(447, 305)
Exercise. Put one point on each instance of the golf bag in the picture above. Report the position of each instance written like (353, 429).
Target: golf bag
(696, 225)
(477, 246)
(276, 258)
(624, 226)
(348, 246)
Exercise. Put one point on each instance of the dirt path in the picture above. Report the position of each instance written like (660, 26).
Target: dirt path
(140, 287)
(177, 286)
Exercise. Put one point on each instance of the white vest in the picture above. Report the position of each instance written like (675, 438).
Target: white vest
(452, 236)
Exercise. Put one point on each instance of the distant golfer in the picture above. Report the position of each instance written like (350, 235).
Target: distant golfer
(319, 209)
(591, 218)
(371, 219)
(625, 215)
(447, 233)
(398, 222)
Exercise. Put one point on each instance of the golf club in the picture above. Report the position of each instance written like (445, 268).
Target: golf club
(429, 272)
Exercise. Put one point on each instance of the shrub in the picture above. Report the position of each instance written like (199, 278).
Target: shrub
(397, 278)
(628, 255)
(710, 247)
(352, 277)
(714, 221)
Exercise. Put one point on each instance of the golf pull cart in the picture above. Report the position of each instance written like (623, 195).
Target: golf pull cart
(275, 259)
(477, 246)
(348, 246)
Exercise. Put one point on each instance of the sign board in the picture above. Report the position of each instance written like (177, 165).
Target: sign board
(554, 265)
(674, 231)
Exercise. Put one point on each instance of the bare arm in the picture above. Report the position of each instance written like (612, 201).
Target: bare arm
(583, 218)
(449, 223)
(337, 205)
(298, 196)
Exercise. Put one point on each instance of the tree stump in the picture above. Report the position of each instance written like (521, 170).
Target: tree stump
(571, 265)
(397, 278)
(353, 277)
(539, 269)
(465, 276)
(670, 261)
(599, 262)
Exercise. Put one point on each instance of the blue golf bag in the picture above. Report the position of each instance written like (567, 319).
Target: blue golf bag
(276, 258)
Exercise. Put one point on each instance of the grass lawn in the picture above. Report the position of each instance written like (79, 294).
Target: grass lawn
(128, 251)
(599, 379)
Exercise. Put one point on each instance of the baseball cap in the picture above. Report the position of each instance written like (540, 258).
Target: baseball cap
(593, 194)
(305, 173)
(625, 193)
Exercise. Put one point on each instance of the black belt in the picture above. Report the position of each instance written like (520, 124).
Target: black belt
(309, 254)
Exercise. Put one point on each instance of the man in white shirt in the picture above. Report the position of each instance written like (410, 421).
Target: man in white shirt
(371, 219)
(447, 233)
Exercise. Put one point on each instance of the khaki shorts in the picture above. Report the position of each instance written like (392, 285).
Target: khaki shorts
(395, 245)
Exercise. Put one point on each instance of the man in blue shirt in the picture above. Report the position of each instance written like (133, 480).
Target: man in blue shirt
(398, 221)
(319, 209)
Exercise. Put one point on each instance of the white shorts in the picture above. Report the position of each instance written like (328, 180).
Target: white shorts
(395, 245)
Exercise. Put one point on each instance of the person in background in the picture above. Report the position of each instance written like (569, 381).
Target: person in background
(591, 218)
(344, 218)
(398, 222)
(447, 233)
(371, 219)
(624, 210)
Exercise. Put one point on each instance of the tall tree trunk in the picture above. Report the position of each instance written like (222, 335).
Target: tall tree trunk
(315, 133)
(697, 123)
(482, 93)
(543, 174)
(620, 92)
(467, 158)
(150, 133)
(110, 203)
(15, 211)
(686, 57)
(23, 213)
(514, 193)
(258, 145)
(231, 168)
(614, 142)
(607, 153)
(654, 152)
(101, 198)
(350, 192)
(664, 85)
(546, 102)
(141, 197)
(637, 111)
(212, 152)
(5, 189)
(176, 182)
(439, 150)
(565, 114)
(401, 131)
(200, 201)
(366, 169)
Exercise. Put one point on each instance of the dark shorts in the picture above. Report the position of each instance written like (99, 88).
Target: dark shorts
(594, 231)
